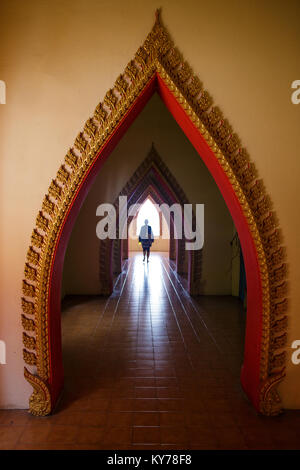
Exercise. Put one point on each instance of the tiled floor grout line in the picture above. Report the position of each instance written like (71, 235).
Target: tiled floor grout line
(179, 298)
(181, 303)
(108, 301)
(191, 302)
(129, 266)
(173, 310)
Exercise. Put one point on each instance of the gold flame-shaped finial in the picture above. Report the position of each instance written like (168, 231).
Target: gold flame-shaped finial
(157, 16)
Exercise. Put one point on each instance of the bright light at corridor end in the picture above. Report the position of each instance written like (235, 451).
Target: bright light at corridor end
(183, 220)
(150, 212)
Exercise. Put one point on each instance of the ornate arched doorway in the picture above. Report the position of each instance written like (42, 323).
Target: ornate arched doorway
(157, 67)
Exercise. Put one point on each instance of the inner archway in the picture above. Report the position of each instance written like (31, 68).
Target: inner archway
(158, 67)
(150, 212)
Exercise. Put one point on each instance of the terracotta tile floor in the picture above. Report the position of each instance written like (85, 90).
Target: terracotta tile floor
(151, 368)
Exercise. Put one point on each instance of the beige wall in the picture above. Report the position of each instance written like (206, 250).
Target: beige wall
(154, 124)
(58, 58)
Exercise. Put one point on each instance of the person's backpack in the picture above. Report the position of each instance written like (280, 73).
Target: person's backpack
(149, 234)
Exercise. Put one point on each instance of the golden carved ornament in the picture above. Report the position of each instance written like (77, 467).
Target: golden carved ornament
(29, 341)
(80, 142)
(71, 159)
(267, 224)
(29, 357)
(279, 292)
(278, 274)
(141, 57)
(28, 289)
(270, 400)
(184, 73)
(238, 161)
(131, 71)
(278, 360)
(280, 325)
(204, 102)
(28, 324)
(42, 222)
(32, 256)
(100, 114)
(222, 133)
(246, 174)
(121, 85)
(279, 342)
(255, 192)
(214, 117)
(158, 54)
(30, 273)
(276, 257)
(55, 190)
(172, 60)
(193, 87)
(110, 100)
(262, 206)
(48, 206)
(27, 307)
(271, 241)
(278, 308)
(63, 175)
(40, 400)
(37, 239)
(90, 128)
(232, 146)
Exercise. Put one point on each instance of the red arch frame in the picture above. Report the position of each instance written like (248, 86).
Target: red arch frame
(250, 375)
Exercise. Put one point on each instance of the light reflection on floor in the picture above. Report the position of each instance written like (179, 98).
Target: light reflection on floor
(147, 279)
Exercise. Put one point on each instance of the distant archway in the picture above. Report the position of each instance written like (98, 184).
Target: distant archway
(148, 211)
(159, 67)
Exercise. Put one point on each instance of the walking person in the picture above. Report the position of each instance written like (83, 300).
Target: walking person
(146, 238)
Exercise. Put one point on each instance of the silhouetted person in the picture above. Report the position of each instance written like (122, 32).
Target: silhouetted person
(146, 238)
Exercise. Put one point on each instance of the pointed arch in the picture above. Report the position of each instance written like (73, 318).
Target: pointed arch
(158, 66)
(149, 206)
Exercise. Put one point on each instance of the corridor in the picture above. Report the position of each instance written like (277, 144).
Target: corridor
(151, 367)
